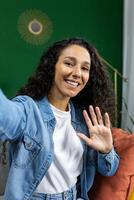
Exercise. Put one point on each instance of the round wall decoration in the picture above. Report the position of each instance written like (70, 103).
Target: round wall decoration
(34, 27)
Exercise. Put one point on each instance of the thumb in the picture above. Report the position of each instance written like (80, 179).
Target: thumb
(85, 138)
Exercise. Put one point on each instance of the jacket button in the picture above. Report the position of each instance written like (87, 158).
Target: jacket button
(29, 145)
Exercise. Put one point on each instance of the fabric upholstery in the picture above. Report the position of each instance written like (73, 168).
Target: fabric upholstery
(121, 185)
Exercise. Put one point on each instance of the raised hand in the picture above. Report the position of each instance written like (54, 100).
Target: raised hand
(100, 136)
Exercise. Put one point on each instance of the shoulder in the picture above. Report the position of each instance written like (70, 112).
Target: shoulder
(22, 98)
(24, 101)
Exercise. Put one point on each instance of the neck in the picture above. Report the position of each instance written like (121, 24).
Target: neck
(61, 104)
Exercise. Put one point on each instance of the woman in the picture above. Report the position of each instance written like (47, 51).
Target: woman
(59, 137)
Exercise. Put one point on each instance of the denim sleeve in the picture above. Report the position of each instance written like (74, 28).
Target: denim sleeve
(107, 164)
(12, 118)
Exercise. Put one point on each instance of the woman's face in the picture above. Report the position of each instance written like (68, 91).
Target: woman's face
(71, 72)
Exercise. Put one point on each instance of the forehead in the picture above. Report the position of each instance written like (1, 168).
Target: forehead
(76, 51)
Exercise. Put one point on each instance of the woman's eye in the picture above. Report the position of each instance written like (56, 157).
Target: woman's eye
(68, 63)
(85, 68)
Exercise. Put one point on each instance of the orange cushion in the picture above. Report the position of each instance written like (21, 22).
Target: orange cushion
(119, 186)
(131, 189)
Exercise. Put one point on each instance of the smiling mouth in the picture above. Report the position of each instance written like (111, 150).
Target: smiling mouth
(72, 83)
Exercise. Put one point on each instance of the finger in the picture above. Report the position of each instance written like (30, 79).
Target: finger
(99, 116)
(93, 115)
(87, 119)
(107, 120)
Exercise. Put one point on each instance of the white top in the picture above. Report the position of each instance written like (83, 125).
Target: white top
(68, 156)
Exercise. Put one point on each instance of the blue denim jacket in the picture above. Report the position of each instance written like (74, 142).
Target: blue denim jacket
(29, 126)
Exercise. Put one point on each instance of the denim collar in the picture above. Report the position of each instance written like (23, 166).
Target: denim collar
(47, 113)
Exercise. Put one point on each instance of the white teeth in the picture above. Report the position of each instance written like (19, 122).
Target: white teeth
(72, 83)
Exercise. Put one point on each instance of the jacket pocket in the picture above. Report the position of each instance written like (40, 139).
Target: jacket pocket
(26, 151)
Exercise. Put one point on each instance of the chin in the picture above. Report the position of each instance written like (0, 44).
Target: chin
(72, 94)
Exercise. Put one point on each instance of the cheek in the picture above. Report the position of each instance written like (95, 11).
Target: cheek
(58, 75)
(86, 78)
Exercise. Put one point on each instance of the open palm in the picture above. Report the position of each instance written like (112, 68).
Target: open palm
(100, 136)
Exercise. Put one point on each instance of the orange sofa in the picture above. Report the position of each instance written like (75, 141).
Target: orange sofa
(121, 185)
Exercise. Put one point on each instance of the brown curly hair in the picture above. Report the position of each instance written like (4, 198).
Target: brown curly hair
(97, 92)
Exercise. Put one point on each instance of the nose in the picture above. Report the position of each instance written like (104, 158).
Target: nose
(77, 72)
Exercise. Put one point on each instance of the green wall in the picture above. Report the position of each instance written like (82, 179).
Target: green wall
(98, 21)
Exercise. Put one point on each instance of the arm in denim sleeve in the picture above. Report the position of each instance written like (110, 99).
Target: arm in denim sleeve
(107, 164)
(12, 118)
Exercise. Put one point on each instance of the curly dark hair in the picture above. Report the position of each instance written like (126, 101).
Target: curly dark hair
(97, 92)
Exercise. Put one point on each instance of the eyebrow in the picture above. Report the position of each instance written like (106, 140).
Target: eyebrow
(73, 58)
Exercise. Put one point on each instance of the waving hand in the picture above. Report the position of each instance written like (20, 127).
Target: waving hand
(100, 136)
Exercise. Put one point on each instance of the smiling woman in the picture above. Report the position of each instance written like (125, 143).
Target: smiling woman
(59, 125)
(71, 75)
